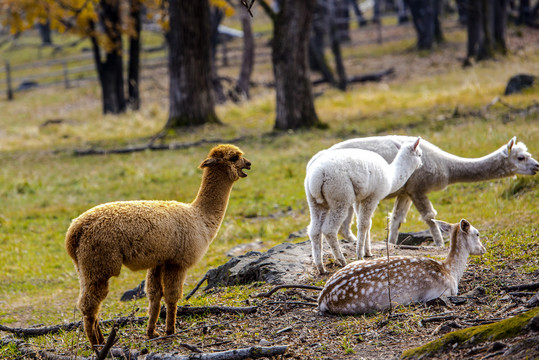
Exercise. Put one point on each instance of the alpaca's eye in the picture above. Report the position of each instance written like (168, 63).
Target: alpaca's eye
(234, 158)
(521, 158)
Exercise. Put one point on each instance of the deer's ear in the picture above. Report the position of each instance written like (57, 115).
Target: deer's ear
(465, 225)
(444, 226)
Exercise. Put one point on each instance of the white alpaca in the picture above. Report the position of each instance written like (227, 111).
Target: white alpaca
(341, 179)
(362, 286)
(439, 170)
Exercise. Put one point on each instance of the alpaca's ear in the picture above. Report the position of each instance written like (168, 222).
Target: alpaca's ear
(465, 225)
(209, 162)
(444, 226)
(416, 144)
(509, 147)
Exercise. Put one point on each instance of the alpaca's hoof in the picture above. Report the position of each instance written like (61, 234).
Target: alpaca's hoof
(322, 271)
(152, 334)
(170, 332)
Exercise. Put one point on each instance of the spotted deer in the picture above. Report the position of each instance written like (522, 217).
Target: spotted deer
(362, 286)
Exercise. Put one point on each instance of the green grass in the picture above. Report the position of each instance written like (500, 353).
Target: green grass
(43, 185)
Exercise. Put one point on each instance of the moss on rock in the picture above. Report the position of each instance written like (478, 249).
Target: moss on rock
(504, 329)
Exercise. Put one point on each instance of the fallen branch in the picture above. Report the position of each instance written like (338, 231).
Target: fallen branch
(198, 310)
(153, 147)
(375, 77)
(292, 303)
(531, 287)
(49, 330)
(441, 317)
(521, 294)
(246, 353)
(288, 286)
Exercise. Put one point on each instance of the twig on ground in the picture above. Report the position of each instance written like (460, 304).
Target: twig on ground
(531, 287)
(111, 340)
(192, 292)
(441, 317)
(292, 303)
(288, 286)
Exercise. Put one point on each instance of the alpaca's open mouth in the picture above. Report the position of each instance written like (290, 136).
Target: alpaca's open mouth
(242, 174)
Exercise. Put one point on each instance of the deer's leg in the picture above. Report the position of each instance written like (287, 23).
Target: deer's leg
(318, 215)
(398, 216)
(154, 290)
(92, 293)
(364, 215)
(334, 219)
(346, 227)
(425, 208)
(173, 278)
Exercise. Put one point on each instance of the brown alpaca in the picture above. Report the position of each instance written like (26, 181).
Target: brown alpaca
(165, 237)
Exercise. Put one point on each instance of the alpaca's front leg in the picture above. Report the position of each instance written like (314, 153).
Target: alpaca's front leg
(173, 278)
(398, 216)
(154, 289)
(425, 208)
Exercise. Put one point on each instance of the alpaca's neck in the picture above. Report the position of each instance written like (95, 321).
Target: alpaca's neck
(456, 261)
(212, 198)
(492, 166)
(400, 171)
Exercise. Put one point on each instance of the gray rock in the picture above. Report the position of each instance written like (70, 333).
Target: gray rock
(286, 263)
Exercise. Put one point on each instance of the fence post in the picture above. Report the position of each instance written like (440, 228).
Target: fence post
(8, 82)
(66, 75)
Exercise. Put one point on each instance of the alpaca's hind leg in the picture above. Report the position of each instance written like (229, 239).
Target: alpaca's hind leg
(398, 216)
(425, 208)
(346, 227)
(318, 215)
(154, 289)
(91, 296)
(365, 210)
(173, 278)
(331, 226)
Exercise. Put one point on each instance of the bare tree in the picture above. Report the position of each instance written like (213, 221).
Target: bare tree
(191, 93)
(291, 29)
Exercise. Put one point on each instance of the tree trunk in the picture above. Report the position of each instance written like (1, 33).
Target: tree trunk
(134, 55)
(426, 24)
(486, 48)
(295, 101)
(248, 54)
(110, 71)
(500, 26)
(191, 94)
(216, 16)
(336, 36)
(473, 16)
(45, 32)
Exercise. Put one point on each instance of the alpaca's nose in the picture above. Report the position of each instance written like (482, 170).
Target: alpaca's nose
(247, 164)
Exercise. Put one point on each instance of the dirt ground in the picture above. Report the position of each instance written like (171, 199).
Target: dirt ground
(286, 319)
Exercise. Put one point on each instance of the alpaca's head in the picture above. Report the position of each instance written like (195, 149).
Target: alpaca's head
(229, 158)
(465, 235)
(519, 158)
(413, 152)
